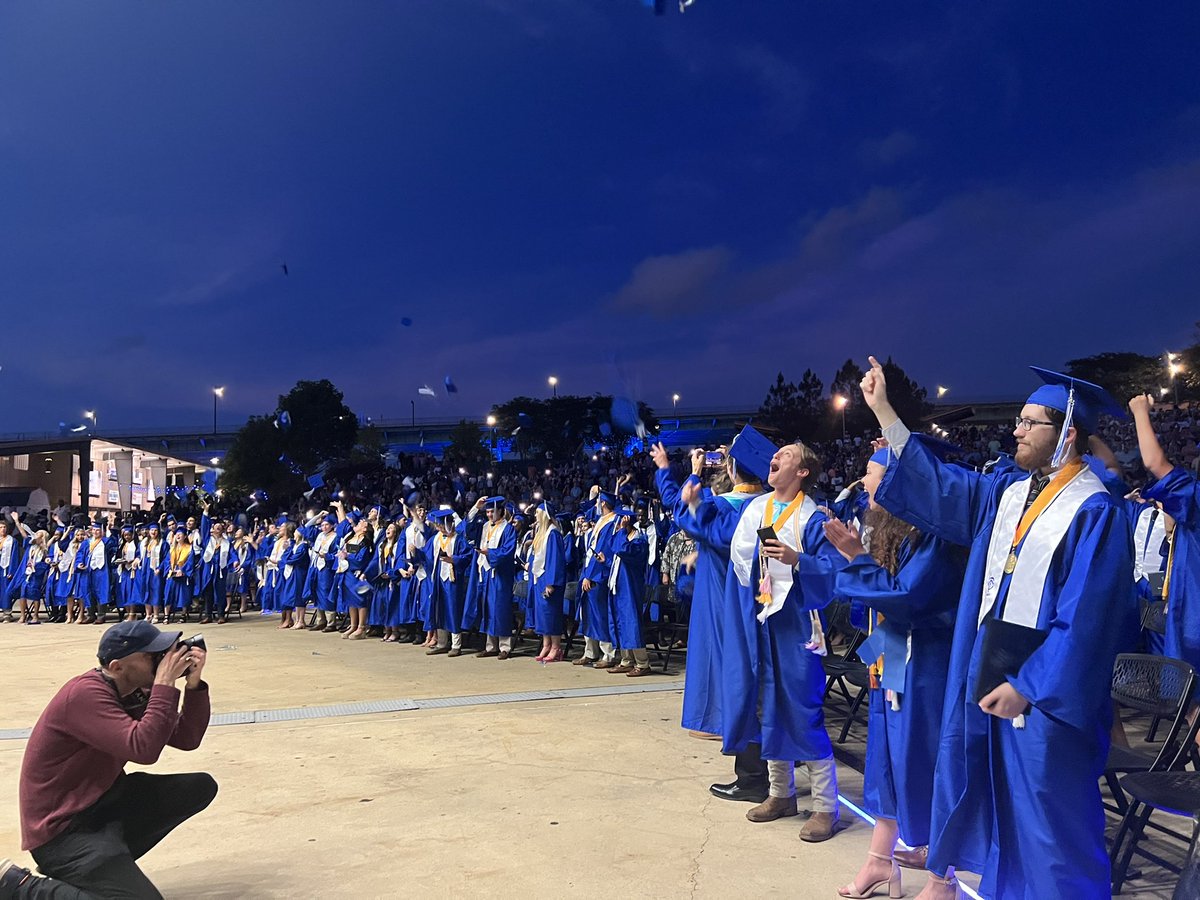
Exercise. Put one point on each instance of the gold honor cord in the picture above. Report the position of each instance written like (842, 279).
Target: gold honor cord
(1061, 479)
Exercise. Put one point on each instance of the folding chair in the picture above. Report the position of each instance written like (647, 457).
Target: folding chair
(1177, 793)
(1161, 687)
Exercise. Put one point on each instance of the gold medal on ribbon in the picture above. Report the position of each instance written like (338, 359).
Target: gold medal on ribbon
(1010, 564)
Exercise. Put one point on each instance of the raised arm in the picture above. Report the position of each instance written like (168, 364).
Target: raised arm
(1153, 457)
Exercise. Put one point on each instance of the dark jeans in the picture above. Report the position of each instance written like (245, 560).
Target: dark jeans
(214, 599)
(95, 857)
(750, 769)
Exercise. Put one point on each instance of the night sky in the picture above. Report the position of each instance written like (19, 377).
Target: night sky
(640, 204)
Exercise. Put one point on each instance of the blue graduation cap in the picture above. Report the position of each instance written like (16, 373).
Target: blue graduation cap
(605, 429)
(548, 508)
(494, 503)
(330, 519)
(406, 322)
(624, 511)
(127, 527)
(151, 526)
(283, 421)
(609, 498)
(752, 452)
(1080, 401)
(281, 519)
(450, 386)
(316, 481)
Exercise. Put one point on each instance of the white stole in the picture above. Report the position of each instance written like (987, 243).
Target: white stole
(1028, 581)
(1147, 541)
(743, 549)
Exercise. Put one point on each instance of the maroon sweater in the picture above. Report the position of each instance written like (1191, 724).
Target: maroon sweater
(81, 743)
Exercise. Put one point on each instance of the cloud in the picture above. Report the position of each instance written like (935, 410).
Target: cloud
(785, 86)
(888, 150)
(663, 285)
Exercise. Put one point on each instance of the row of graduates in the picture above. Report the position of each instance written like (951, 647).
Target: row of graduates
(440, 576)
(77, 573)
(996, 603)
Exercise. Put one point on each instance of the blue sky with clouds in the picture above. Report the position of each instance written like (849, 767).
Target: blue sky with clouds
(686, 203)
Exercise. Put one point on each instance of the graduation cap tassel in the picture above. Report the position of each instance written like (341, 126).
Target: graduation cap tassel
(1060, 451)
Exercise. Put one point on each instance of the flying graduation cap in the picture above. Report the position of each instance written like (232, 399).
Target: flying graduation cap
(427, 391)
(451, 388)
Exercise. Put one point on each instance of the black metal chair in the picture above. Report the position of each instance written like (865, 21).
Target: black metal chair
(1157, 686)
(1154, 620)
(570, 595)
(671, 624)
(844, 663)
(1177, 793)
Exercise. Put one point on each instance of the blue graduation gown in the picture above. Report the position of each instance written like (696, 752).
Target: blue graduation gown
(381, 573)
(918, 604)
(548, 611)
(495, 596)
(767, 665)
(625, 601)
(593, 608)
(1022, 806)
(1179, 493)
(446, 605)
(345, 584)
(712, 528)
(293, 580)
(150, 579)
(178, 593)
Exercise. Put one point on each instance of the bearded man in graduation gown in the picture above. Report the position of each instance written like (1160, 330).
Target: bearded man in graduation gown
(1016, 793)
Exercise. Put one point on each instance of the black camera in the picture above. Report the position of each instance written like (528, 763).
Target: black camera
(195, 642)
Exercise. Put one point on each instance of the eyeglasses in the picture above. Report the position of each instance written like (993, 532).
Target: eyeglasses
(1025, 424)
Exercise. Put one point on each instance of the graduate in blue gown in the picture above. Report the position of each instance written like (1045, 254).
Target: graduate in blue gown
(1179, 494)
(626, 592)
(593, 586)
(710, 522)
(353, 591)
(451, 561)
(495, 562)
(1016, 795)
(324, 564)
(548, 582)
(152, 570)
(911, 583)
(181, 566)
(773, 686)
(381, 572)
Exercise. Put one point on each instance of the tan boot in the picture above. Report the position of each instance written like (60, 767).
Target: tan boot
(821, 826)
(772, 808)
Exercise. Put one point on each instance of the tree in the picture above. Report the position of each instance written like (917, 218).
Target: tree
(1121, 374)
(274, 452)
(253, 461)
(846, 384)
(793, 410)
(906, 396)
(322, 426)
(466, 448)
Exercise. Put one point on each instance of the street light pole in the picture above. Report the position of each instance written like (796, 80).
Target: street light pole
(414, 412)
(553, 379)
(218, 393)
(840, 403)
(674, 402)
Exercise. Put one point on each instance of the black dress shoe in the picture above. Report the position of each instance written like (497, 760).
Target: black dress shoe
(735, 791)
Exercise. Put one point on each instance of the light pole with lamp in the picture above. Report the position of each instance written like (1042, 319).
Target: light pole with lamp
(839, 402)
(218, 393)
(942, 391)
(91, 414)
(1174, 368)
(674, 402)
(553, 381)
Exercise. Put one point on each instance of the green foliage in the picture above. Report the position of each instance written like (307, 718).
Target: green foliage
(466, 448)
(323, 430)
(907, 397)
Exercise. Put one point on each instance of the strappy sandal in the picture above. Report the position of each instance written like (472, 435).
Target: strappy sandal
(891, 884)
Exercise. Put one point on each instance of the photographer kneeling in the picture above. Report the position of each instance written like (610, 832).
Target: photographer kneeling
(84, 820)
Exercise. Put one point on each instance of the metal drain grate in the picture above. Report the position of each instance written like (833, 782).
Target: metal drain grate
(368, 707)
